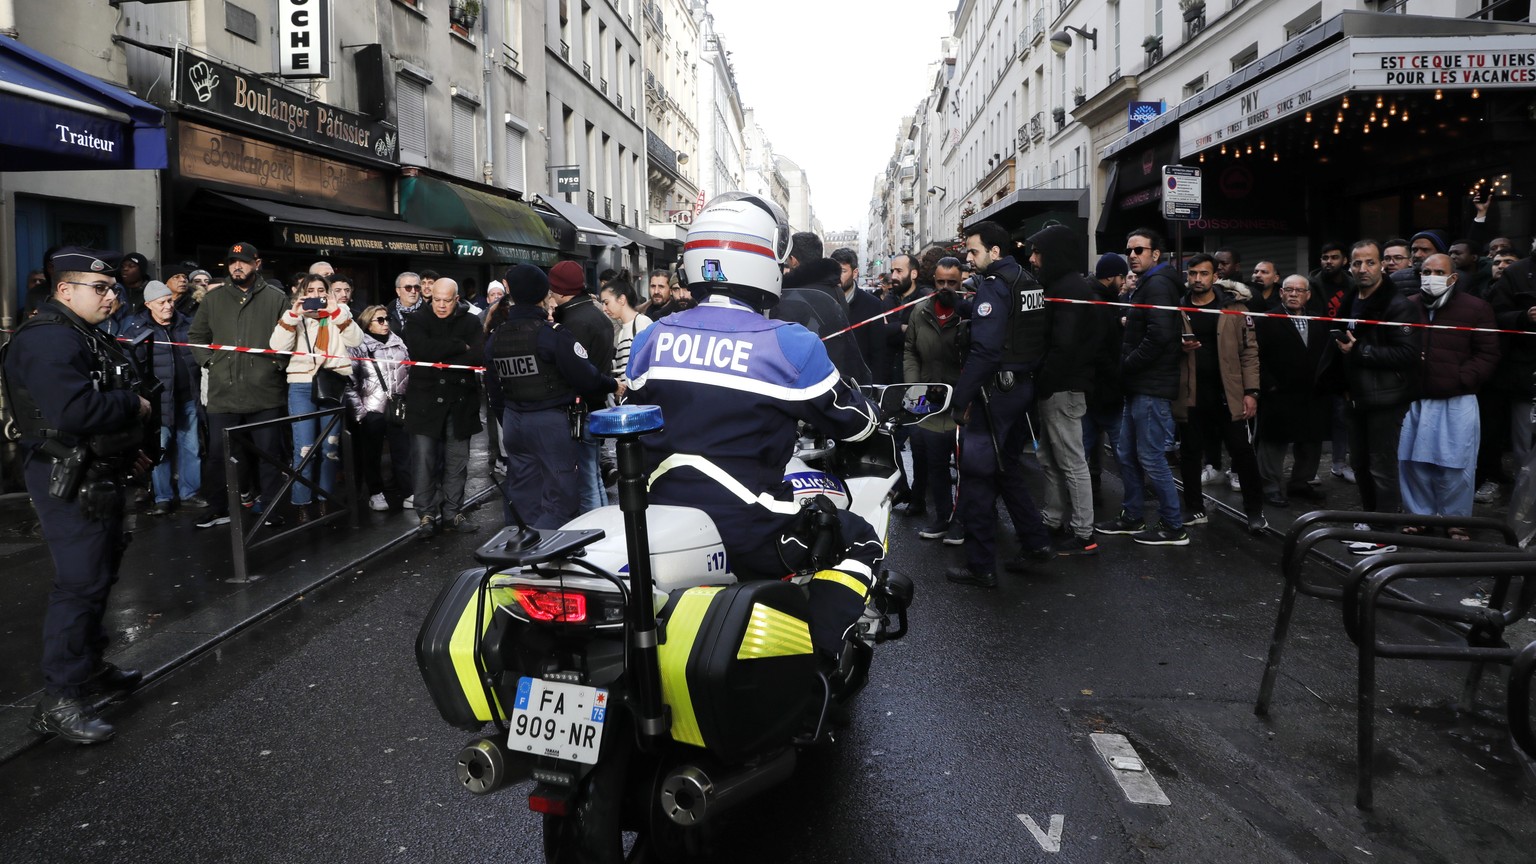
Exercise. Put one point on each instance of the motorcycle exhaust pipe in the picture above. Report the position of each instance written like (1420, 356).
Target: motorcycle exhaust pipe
(484, 766)
(690, 794)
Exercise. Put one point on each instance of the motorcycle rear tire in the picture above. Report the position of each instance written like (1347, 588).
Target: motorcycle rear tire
(593, 831)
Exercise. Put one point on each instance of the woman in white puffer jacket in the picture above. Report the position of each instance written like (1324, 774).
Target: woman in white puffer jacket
(378, 374)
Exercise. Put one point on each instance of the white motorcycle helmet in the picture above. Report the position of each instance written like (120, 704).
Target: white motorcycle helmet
(738, 245)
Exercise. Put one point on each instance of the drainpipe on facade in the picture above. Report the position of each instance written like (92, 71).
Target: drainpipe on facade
(488, 173)
(8, 19)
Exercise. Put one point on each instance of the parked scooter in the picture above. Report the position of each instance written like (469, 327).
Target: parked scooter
(632, 677)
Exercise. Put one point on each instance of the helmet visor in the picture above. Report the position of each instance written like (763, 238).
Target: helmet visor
(781, 236)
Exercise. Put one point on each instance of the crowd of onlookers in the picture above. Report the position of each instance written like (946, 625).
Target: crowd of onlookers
(410, 424)
(1385, 351)
(1419, 418)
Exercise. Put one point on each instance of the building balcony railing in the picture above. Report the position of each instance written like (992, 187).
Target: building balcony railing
(591, 201)
(1023, 138)
(586, 71)
(602, 85)
(608, 208)
(565, 51)
(1037, 126)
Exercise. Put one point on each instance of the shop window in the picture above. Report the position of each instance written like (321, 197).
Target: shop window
(411, 114)
(464, 139)
(514, 160)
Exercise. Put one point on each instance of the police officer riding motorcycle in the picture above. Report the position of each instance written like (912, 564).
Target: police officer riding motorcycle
(653, 678)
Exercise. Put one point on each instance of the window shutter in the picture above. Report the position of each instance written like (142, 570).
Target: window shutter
(463, 139)
(514, 159)
(411, 114)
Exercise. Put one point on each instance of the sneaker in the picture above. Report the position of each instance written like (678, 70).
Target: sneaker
(964, 576)
(378, 502)
(460, 524)
(1122, 524)
(1209, 476)
(1366, 547)
(1344, 472)
(409, 503)
(934, 531)
(1196, 518)
(194, 502)
(1486, 493)
(1315, 481)
(214, 521)
(427, 527)
(1232, 481)
(955, 536)
(1257, 524)
(160, 508)
(1162, 535)
(1076, 546)
(1029, 561)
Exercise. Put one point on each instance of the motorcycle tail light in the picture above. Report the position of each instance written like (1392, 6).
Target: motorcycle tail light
(550, 805)
(553, 604)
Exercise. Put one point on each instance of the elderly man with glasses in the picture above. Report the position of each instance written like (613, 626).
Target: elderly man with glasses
(407, 300)
(1294, 352)
(1149, 375)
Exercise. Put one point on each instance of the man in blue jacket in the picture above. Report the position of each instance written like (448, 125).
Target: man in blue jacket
(1149, 375)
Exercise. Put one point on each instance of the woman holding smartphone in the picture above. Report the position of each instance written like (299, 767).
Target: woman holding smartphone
(319, 330)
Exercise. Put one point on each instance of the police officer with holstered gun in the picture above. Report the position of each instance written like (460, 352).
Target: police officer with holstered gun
(993, 397)
(80, 408)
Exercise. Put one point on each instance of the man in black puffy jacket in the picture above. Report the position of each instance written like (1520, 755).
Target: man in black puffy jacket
(1149, 375)
(1062, 387)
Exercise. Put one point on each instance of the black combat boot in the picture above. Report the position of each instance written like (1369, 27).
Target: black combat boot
(65, 716)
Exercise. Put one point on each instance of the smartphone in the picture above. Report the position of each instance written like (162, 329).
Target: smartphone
(1188, 337)
(1338, 335)
(314, 304)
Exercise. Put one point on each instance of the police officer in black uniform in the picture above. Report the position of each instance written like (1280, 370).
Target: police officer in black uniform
(82, 428)
(541, 370)
(994, 395)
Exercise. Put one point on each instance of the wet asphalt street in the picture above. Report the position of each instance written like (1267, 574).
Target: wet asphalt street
(311, 738)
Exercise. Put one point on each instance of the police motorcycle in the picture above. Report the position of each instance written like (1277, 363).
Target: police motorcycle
(643, 688)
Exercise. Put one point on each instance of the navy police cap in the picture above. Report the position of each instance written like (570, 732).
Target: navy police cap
(79, 259)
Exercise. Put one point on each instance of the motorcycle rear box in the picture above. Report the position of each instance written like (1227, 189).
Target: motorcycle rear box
(446, 650)
(737, 667)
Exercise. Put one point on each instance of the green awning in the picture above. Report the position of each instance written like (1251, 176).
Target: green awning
(484, 226)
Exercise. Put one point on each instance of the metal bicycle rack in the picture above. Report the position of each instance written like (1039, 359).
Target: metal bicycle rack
(243, 541)
(1367, 590)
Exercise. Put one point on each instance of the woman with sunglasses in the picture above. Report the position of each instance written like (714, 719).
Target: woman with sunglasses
(378, 374)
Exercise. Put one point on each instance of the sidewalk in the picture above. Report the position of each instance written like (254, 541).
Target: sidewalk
(176, 595)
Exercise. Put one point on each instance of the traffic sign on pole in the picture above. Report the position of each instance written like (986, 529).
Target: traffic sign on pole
(1181, 192)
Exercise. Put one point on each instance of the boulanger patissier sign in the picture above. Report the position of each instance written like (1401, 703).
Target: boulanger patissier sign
(208, 87)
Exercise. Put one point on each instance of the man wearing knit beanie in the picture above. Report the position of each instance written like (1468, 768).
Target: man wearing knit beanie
(578, 312)
(541, 373)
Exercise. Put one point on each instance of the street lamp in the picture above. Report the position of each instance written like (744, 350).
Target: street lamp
(1061, 40)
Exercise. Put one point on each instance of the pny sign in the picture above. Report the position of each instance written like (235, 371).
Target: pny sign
(304, 38)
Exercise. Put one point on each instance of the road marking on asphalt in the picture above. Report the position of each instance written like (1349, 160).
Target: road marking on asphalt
(1050, 840)
(1128, 769)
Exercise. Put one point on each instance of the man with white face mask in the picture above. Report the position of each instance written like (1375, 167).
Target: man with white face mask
(1437, 467)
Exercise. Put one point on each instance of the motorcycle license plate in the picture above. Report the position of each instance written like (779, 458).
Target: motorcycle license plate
(564, 721)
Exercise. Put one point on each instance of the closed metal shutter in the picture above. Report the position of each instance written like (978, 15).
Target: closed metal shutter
(411, 114)
(464, 139)
(514, 159)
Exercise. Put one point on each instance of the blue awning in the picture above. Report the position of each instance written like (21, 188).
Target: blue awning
(58, 118)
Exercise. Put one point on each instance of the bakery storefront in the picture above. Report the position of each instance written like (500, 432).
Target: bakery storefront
(303, 180)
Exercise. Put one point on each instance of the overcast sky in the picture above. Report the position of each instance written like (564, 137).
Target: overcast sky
(830, 80)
